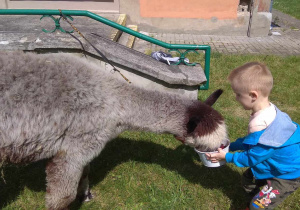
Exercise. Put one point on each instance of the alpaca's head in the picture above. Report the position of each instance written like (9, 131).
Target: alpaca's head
(205, 127)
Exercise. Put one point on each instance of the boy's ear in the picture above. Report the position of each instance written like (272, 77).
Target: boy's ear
(253, 95)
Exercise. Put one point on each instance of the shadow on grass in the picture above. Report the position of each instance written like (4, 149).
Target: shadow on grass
(122, 150)
(18, 177)
(181, 160)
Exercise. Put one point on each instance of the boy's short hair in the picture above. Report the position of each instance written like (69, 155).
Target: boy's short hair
(252, 76)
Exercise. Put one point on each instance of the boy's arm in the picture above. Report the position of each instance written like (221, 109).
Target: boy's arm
(237, 145)
(216, 157)
(251, 157)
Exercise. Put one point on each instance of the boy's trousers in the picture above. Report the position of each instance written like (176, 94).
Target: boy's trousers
(268, 193)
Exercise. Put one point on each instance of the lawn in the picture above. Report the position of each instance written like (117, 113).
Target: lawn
(291, 7)
(141, 170)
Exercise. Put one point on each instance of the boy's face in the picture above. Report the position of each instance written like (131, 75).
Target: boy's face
(244, 98)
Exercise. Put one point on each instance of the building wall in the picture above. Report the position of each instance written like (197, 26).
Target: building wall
(94, 6)
(203, 9)
(211, 17)
(3, 4)
(264, 5)
(150, 17)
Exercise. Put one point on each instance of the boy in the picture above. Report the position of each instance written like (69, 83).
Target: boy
(271, 149)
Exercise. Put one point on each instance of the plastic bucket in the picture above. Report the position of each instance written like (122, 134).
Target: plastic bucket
(208, 163)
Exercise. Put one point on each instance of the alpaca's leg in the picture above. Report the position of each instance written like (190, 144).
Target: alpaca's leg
(83, 192)
(63, 175)
(70, 167)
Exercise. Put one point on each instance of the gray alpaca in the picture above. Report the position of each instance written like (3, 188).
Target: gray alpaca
(65, 108)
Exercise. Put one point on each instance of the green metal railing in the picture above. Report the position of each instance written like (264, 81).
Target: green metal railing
(171, 47)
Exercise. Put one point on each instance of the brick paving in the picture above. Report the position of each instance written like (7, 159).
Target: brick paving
(284, 44)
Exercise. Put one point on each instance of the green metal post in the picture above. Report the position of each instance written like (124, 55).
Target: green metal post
(206, 69)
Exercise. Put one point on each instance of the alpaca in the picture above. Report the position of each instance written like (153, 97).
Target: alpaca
(65, 108)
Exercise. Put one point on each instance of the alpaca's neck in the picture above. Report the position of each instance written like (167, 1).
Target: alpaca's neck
(156, 112)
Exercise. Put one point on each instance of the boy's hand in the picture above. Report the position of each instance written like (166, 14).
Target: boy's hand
(216, 157)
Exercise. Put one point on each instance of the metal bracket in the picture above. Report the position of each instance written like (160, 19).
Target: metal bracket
(57, 24)
(183, 56)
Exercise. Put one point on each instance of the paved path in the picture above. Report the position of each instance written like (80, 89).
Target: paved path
(277, 45)
(287, 42)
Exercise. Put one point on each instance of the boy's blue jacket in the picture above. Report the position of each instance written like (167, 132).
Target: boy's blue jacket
(273, 152)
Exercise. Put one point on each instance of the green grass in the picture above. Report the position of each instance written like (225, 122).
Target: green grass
(141, 170)
(290, 7)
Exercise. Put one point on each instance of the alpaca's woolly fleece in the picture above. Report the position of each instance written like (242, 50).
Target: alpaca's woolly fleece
(65, 108)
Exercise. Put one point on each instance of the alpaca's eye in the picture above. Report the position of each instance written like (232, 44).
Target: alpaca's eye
(192, 124)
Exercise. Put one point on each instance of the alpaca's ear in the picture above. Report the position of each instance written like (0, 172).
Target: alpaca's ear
(213, 97)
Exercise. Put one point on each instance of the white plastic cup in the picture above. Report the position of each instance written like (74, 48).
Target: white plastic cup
(208, 163)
